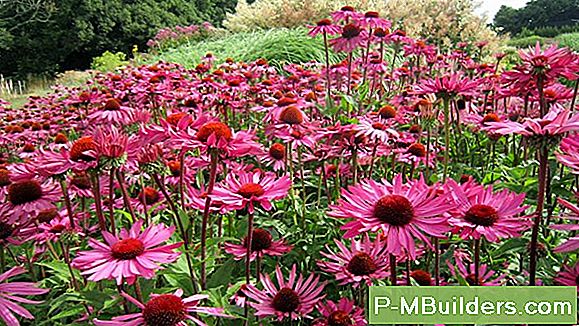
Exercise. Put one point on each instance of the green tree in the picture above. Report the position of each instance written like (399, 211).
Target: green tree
(69, 33)
(537, 14)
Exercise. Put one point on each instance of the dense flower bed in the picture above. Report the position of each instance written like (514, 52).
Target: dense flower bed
(160, 195)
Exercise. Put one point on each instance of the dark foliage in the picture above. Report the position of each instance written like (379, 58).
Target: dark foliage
(550, 17)
(67, 34)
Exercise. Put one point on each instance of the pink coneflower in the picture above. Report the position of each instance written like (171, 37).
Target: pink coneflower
(343, 313)
(569, 153)
(364, 262)
(110, 142)
(28, 197)
(52, 230)
(415, 154)
(447, 86)
(276, 156)
(245, 189)
(422, 277)
(372, 19)
(480, 212)
(572, 243)
(402, 211)
(568, 276)
(165, 310)
(468, 273)
(8, 298)
(346, 14)
(554, 124)
(133, 253)
(548, 65)
(376, 130)
(262, 244)
(211, 134)
(289, 299)
(324, 26)
(80, 186)
(80, 155)
(352, 37)
(112, 112)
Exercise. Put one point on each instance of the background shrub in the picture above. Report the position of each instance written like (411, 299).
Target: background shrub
(278, 46)
(109, 61)
(442, 22)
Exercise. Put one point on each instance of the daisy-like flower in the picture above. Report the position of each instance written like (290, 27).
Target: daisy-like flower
(373, 20)
(346, 14)
(548, 64)
(210, 134)
(245, 189)
(415, 154)
(447, 86)
(81, 155)
(165, 310)
(51, 230)
(134, 253)
(568, 155)
(480, 212)
(422, 277)
(343, 313)
(553, 124)
(568, 276)
(28, 197)
(8, 298)
(324, 26)
(292, 299)
(276, 156)
(572, 243)
(112, 112)
(468, 273)
(401, 211)
(365, 261)
(352, 37)
(375, 129)
(262, 244)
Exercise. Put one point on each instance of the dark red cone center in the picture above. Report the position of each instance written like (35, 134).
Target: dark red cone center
(149, 196)
(291, 115)
(417, 149)
(395, 210)
(127, 249)
(251, 189)
(219, 129)
(339, 318)
(482, 215)
(260, 240)
(277, 151)
(286, 300)
(79, 149)
(24, 192)
(421, 277)
(361, 264)
(164, 310)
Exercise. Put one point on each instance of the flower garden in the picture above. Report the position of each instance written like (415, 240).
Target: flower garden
(240, 193)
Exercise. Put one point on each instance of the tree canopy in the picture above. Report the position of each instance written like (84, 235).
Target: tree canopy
(537, 14)
(51, 35)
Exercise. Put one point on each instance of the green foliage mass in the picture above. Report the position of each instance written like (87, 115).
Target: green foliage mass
(570, 40)
(109, 61)
(543, 17)
(72, 32)
(278, 46)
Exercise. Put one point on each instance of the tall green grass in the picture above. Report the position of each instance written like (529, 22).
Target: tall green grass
(570, 40)
(279, 46)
